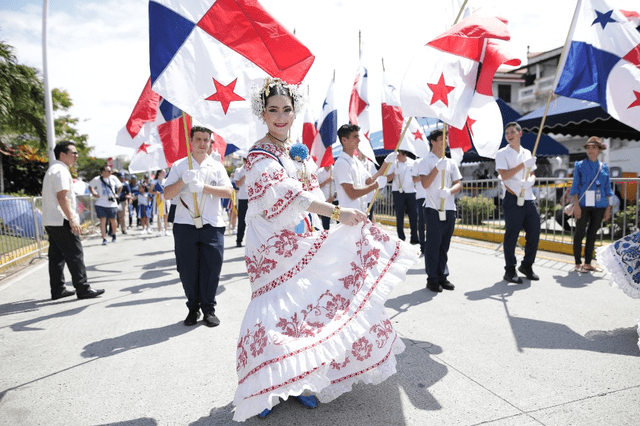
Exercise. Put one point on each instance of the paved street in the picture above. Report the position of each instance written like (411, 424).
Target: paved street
(561, 351)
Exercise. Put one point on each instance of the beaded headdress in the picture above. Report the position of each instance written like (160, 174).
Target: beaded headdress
(259, 94)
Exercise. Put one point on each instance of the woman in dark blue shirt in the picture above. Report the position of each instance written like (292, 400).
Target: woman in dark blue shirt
(590, 192)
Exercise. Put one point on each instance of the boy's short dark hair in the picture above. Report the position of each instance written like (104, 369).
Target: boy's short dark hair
(434, 135)
(346, 129)
(195, 129)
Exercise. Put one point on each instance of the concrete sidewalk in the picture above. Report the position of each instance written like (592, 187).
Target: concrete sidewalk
(561, 351)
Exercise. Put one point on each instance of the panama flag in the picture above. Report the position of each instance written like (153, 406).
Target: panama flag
(327, 131)
(603, 61)
(309, 130)
(393, 124)
(359, 111)
(140, 123)
(206, 56)
(441, 79)
(484, 120)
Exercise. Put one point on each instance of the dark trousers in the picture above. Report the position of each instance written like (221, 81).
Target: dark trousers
(517, 218)
(242, 224)
(438, 240)
(591, 216)
(65, 247)
(402, 201)
(199, 256)
(421, 223)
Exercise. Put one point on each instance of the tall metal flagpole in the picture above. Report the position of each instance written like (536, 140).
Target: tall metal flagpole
(48, 103)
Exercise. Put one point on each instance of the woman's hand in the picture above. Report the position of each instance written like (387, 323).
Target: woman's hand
(351, 217)
(577, 211)
(607, 214)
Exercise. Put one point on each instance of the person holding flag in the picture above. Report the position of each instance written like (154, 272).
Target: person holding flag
(439, 231)
(401, 173)
(316, 321)
(516, 165)
(353, 181)
(199, 240)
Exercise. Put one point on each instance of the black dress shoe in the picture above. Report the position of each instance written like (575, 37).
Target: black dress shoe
(528, 272)
(434, 287)
(192, 318)
(512, 277)
(211, 319)
(65, 293)
(447, 285)
(90, 294)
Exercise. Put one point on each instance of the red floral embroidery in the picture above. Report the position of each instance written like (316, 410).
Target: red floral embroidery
(333, 306)
(361, 349)
(336, 366)
(367, 262)
(257, 267)
(287, 243)
(382, 331)
(257, 342)
(378, 234)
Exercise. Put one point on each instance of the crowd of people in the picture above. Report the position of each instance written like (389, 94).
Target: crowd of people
(320, 268)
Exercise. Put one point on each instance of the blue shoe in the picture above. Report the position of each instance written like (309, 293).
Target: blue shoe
(307, 401)
(265, 413)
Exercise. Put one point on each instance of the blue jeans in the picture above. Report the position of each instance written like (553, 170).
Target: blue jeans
(436, 253)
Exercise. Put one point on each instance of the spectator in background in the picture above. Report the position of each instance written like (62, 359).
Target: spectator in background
(243, 200)
(60, 219)
(401, 173)
(162, 205)
(124, 198)
(133, 183)
(144, 208)
(107, 188)
(328, 188)
(590, 191)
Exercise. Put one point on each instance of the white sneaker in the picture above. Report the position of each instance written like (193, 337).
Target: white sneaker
(159, 234)
(166, 233)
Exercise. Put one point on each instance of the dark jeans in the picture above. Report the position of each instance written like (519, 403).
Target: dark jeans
(402, 200)
(242, 224)
(199, 256)
(517, 218)
(421, 223)
(439, 235)
(591, 216)
(65, 247)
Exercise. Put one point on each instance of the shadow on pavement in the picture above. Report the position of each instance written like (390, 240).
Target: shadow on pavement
(501, 288)
(575, 279)
(371, 405)
(26, 325)
(150, 285)
(145, 421)
(135, 339)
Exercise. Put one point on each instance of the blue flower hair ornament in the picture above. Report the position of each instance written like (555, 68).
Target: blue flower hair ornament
(299, 152)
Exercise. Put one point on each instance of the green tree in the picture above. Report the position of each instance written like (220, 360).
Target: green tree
(23, 134)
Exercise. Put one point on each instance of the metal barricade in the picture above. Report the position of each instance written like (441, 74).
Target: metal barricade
(22, 233)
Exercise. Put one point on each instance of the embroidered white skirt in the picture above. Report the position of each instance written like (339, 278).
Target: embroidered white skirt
(622, 260)
(316, 321)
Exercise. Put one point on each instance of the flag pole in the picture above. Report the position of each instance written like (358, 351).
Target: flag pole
(186, 136)
(442, 212)
(386, 165)
(558, 72)
(460, 11)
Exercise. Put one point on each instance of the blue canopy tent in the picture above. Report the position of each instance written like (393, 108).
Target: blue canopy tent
(576, 117)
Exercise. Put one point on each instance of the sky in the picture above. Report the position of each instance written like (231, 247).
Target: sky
(98, 49)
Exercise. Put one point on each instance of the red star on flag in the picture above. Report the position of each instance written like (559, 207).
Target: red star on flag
(418, 135)
(224, 94)
(440, 91)
(636, 102)
(470, 123)
(143, 147)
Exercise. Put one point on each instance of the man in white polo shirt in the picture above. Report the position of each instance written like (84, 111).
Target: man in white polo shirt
(353, 181)
(61, 221)
(199, 232)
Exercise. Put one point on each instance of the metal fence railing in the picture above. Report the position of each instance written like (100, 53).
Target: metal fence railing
(479, 208)
(21, 231)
